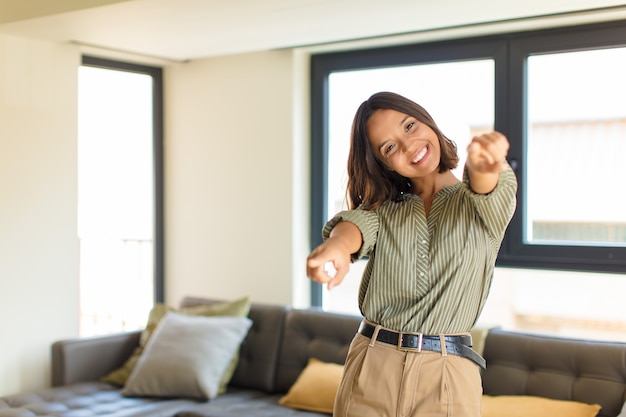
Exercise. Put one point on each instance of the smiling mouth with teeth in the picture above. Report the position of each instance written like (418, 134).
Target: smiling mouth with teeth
(420, 155)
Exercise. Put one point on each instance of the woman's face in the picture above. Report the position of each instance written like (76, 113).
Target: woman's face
(404, 144)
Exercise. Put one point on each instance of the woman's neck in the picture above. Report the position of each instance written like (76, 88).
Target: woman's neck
(427, 187)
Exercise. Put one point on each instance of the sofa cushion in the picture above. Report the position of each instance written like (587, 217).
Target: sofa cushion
(310, 334)
(244, 403)
(524, 406)
(187, 356)
(316, 387)
(238, 308)
(87, 399)
(259, 351)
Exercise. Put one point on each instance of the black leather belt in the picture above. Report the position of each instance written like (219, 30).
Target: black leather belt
(416, 342)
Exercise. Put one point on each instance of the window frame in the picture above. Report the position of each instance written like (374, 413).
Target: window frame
(509, 51)
(518, 254)
(157, 142)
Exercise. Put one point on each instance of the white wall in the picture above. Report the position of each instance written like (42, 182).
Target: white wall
(228, 178)
(38, 241)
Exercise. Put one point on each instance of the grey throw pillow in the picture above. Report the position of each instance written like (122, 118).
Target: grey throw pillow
(187, 356)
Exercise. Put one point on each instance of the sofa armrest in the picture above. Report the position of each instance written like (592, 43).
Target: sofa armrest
(89, 358)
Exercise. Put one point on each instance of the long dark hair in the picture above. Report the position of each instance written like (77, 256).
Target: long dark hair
(370, 182)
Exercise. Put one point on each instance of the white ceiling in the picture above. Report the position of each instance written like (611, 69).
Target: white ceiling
(180, 30)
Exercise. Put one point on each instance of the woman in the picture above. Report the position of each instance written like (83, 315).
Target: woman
(432, 242)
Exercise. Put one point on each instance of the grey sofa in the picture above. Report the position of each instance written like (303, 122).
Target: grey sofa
(277, 349)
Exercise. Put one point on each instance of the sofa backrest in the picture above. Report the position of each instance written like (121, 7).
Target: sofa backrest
(566, 369)
(312, 333)
(258, 355)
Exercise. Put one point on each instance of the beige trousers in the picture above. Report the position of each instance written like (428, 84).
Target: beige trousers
(381, 381)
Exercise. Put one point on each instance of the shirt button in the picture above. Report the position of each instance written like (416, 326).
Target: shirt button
(424, 242)
(421, 274)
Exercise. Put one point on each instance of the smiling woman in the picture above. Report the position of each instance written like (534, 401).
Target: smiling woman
(432, 242)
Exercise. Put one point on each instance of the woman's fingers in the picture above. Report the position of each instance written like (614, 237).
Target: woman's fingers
(315, 269)
(488, 151)
(325, 268)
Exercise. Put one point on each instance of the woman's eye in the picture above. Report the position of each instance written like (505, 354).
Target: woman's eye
(388, 149)
(409, 126)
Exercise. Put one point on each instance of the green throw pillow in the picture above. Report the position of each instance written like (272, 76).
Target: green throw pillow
(237, 308)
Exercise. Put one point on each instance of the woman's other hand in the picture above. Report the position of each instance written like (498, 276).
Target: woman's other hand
(487, 153)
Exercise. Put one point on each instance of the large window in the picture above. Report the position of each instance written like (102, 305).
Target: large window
(558, 96)
(119, 195)
(568, 134)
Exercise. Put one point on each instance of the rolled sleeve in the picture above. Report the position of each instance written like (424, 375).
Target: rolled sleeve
(365, 220)
(497, 207)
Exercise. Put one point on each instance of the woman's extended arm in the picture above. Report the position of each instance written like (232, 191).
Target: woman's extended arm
(344, 240)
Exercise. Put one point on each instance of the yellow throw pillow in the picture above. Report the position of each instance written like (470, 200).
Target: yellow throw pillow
(236, 308)
(315, 388)
(526, 405)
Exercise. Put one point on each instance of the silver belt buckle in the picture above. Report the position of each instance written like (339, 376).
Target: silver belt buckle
(410, 349)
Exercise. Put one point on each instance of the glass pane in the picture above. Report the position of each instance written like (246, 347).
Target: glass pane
(458, 95)
(115, 200)
(576, 138)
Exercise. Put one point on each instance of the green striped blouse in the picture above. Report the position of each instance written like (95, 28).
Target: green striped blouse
(431, 274)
